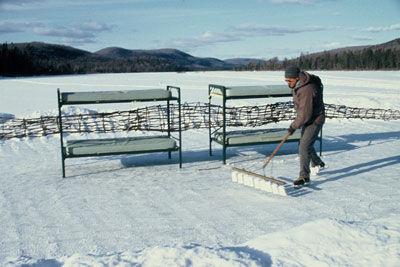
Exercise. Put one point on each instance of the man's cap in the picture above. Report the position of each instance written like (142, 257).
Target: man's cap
(292, 72)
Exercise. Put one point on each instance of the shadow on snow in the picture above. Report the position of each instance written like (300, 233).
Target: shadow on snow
(202, 159)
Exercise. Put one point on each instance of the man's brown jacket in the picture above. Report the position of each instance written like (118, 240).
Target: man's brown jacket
(308, 102)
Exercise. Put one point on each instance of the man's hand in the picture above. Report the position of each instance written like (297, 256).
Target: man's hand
(291, 130)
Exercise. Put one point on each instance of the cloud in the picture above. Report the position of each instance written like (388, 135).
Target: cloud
(8, 27)
(75, 33)
(205, 39)
(299, 2)
(394, 27)
(332, 45)
(237, 33)
(76, 41)
(15, 27)
(361, 38)
(266, 30)
(13, 4)
(17, 2)
(92, 26)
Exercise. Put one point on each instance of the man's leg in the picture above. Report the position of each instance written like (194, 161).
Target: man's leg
(315, 159)
(309, 135)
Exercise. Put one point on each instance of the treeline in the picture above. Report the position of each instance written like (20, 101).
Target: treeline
(27, 61)
(44, 59)
(366, 59)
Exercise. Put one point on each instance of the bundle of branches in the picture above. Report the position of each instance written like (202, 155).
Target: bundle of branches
(193, 116)
(342, 112)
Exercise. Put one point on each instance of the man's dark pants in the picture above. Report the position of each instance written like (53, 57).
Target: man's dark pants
(309, 135)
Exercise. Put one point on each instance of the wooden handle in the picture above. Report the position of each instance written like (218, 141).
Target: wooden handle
(276, 150)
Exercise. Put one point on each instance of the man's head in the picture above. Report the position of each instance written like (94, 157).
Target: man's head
(292, 75)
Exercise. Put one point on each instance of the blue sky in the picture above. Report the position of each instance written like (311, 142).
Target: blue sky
(204, 28)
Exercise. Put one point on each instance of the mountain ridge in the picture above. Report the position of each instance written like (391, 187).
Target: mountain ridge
(393, 44)
(177, 56)
(37, 58)
(47, 50)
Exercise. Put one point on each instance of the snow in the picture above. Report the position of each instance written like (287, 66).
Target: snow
(142, 210)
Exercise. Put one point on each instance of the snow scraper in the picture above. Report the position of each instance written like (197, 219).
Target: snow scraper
(259, 181)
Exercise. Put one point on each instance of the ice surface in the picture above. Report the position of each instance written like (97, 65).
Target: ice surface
(144, 210)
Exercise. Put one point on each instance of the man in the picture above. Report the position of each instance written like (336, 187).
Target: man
(308, 101)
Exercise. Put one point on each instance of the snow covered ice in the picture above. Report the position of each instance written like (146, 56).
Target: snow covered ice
(142, 210)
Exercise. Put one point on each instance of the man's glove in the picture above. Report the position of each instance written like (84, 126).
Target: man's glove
(291, 130)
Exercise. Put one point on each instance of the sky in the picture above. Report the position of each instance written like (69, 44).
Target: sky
(204, 28)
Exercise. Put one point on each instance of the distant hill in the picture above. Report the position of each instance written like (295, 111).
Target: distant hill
(36, 58)
(385, 56)
(394, 44)
(242, 61)
(172, 55)
(51, 51)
